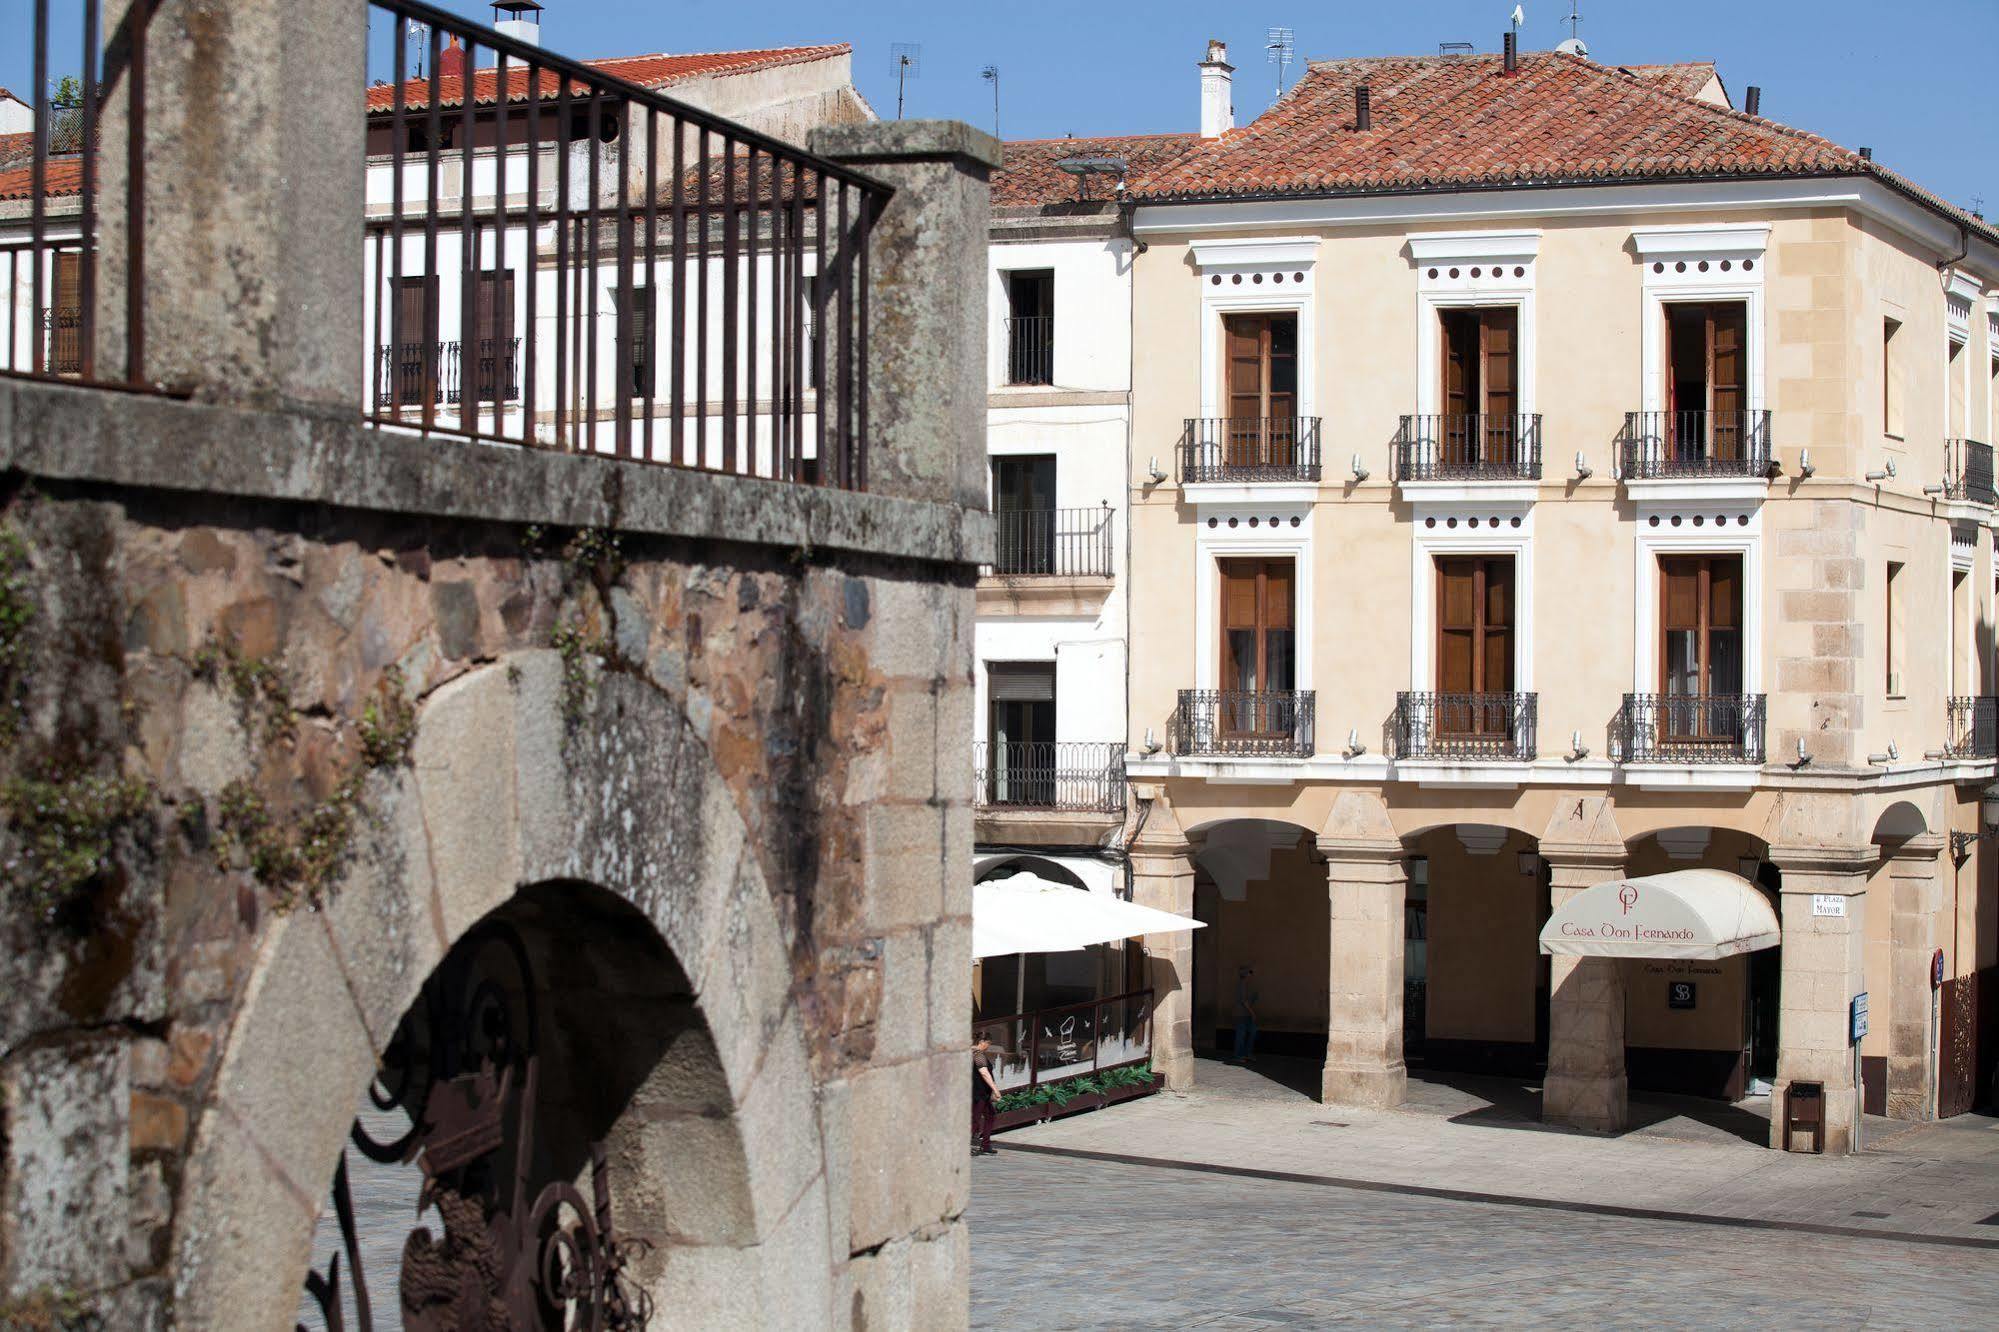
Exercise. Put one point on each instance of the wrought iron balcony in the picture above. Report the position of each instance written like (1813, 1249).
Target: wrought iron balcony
(1030, 349)
(1967, 471)
(1476, 447)
(1080, 776)
(1466, 727)
(1974, 727)
(1062, 543)
(63, 348)
(1691, 728)
(1666, 446)
(1229, 722)
(1250, 448)
(405, 377)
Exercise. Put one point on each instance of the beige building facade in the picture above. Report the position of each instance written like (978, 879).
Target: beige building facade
(1506, 526)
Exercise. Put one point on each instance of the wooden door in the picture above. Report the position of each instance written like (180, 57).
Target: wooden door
(487, 350)
(1480, 385)
(1261, 374)
(1475, 611)
(1258, 649)
(1727, 379)
(66, 319)
(1700, 633)
(413, 342)
(1498, 334)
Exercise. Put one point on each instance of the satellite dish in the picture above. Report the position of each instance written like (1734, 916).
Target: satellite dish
(1572, 46)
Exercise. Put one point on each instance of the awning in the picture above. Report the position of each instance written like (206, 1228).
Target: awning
(1694, 914)
(1028, 914)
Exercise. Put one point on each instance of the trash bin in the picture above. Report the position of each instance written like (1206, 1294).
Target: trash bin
(1804, 1112)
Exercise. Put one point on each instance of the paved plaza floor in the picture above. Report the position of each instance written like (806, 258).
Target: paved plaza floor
(1247, 1204)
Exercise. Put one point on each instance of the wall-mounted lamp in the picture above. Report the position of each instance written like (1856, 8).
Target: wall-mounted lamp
(1578, 751)
(1933, 490)
(1359, 472)
(1877, 476)
(1530, 863)
(1891, 467)
(1152, 469)
(1805, 468)
(1961, 842)
(1893, 755)
(1803, 757)
(1583, 470)
(1151, 745)
(1354, 747)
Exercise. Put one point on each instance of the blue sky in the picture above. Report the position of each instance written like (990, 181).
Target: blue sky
(1910, 80)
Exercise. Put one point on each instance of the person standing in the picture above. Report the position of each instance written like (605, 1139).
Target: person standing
(984, 1092)
(1245, 1015)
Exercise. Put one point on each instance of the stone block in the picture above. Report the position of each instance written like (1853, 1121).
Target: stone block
(910, 1126)
(902, 1028)
(903, 637)
(383, 915)
(906, 865)
(914, 743)
(67, 1158)
(950, 988)
(744, 984)
(465, 776)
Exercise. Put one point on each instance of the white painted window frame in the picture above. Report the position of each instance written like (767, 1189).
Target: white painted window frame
(1463, 251)
(1693, 245)
(1429, 543)
(1221, 542)
(1687, 539)
(1249, 259)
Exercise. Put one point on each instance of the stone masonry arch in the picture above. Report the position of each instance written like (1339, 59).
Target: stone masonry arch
(506, 792)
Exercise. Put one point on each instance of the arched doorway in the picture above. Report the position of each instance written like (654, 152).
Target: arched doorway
(1260, 890)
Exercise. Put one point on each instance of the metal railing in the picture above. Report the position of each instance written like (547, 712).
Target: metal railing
(66, 203)
(1053, 1043)
(1974, 727)
(401, 373)
(1475, 447)
(1030, 349)
(1668, 445)
(1070, 543)
(741, 261)
(1083, 776)
(1268, 448)
(1967, 471)
(1229, 722)
(1691, 728)
(1471, 727)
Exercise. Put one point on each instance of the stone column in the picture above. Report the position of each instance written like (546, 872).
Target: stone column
(1162, 877)
(1915, 896)
(927, 345)
(1366, 884)
(1585, 1086)
(1823, 968)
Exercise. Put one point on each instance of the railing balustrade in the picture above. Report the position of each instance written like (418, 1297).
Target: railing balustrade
(1691, 728)
(1230, 722)
(1050, 1044)
(1974, 727)
(1269, 448)
(1670, 445)
(1030, 349)
(1967, 471)
(1068, 543)
(402, 372)
(1469, 447)
(1079, 776)
(1461, 726)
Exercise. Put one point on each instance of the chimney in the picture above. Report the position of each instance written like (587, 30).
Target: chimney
(1867, 154)
(1363, 108)
(1217, 106)
(1512, 50)
(1752, 100)
(451, 61)
(518, 19)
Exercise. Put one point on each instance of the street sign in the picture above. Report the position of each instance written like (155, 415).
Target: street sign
(1828, 904)
(1859, 1016)
(1679, 994)
(1936, 970)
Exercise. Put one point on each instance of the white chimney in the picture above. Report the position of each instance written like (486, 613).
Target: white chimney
(1217, 107)
(518, 19)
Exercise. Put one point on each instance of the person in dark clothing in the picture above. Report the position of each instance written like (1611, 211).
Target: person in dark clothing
(984, 1091)
(1245, 1015)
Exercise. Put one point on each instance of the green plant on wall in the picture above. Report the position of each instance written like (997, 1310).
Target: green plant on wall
(66, 828)
(1059, 1093)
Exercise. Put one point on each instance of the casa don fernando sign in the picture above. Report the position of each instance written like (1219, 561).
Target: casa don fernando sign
(1621, 931)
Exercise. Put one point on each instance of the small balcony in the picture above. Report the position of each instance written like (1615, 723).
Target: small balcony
(1967, 471)
(1030, 349)
(1219, 449)
(1052, 543)
(1707, 729)
(405, 376)
(1082, 777)
(1974, 727)
(1675, 446)
(1229, 723)
(1476, 447)
(1466, 728)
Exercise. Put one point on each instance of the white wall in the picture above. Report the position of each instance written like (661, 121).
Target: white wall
(1092, 310)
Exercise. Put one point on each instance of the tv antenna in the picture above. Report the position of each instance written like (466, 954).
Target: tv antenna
(1575, 20)
(1277, 47)
(418, 35)
(907, 58)
(991, 75)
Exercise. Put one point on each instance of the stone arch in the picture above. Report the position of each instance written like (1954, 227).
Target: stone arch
(504, 796)
(1898, 822)
(997, 867)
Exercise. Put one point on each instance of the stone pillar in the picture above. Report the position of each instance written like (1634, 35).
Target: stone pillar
(1585, 1086)
(1823, 968)
(1915, 896)
(927, 344)
(254, 160)
(1162, 877)
(1366, 884)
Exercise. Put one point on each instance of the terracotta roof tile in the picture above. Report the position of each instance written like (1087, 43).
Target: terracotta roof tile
(1030, 177)
(1687, 79)
(65, 177)
(648, 71)
(16, 146)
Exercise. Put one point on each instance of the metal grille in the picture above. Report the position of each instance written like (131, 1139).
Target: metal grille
(1476, 447)
(1465, 726)
(400, 374)
(1967, 470)
(1074, 543)
(1030, 349)
(1277, 724)
(696, 293)
(1691, 728)
(1974, 727)
(1084, 776)
(1659, 445)
(1269, 448)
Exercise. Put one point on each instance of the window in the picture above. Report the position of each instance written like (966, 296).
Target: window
(1480, 392)
(1706, 379)
(1030, 327)
(1259, 646)
(1261, 376)
(1961, 629)
(410, 377)
(487, 349)
(1891, 379)
(1475, 616)
(1020, 720)
(637, 359)
(1955, 388)
(1893, 638)
(1024, 513)
(65, 348)
(1700, 667)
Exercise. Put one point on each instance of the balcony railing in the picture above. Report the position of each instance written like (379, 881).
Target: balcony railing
(1974, 727)
(1691, 728)
(1967, 471)
(1268, 448)
(1662, 446)
(1030, 349)
(1229, 722)
(411, 374)
(1466, 727)
(1065, 543)
(1079, 776)
(1478, 447)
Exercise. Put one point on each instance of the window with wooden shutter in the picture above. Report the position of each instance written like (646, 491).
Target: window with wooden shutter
(1261, 376)
(1475, 612)
(487, 350)
(1259, 643)
(1480, 384)
(413, 354)
(637, 357)
(1707, 379)
(1700, 615)
(66, 319)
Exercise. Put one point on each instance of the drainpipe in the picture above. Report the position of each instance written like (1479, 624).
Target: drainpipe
(1963, 249)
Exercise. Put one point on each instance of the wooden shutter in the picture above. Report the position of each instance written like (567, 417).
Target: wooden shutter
(1245, 337)
(1496, 628)
(66, 346)
(1257, 618)
(1021, 681)
(1498, 334)
(487, 350)
(1457, 626)
(1726, 377)
(413, 360)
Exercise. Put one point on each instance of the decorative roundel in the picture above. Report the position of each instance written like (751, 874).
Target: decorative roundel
(1680, 267)
(1450, 522)
(1703, 265)
(1519, 271)
(1516, 520)
(1236, 278)
(1433, 274)
(1454, 272)
(1748, 264)
(1294, 520)
(1656, 268)
(1475, 272)
(1726, 265)
(1257, 279)
(1215, 281)
(1653, 520)
(1721, 520)
(1429, 522)
(1742, 520)
(1273, 520)
(1676, 520)
(1232, 522)
(1297, 277)
(1700, 520)
(1277, 277)
(1252, 522)
(1212, 522)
